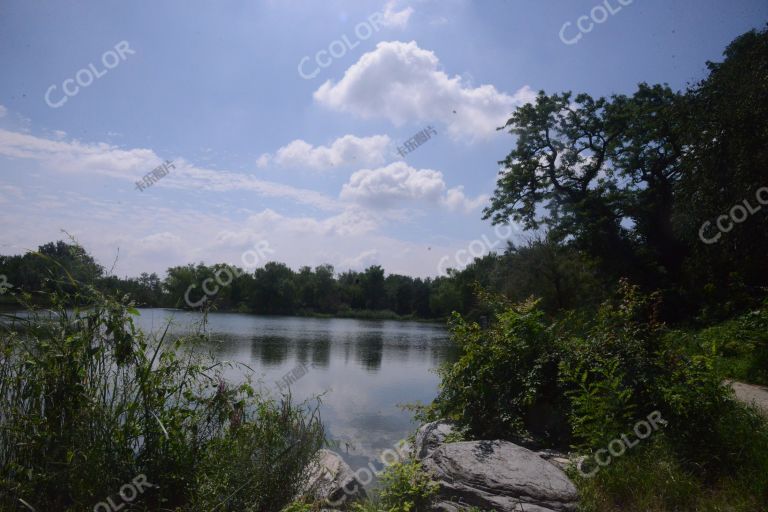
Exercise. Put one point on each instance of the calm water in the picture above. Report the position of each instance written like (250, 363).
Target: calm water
(364, 367)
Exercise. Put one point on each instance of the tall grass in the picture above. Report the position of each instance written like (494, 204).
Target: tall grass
(88, 402)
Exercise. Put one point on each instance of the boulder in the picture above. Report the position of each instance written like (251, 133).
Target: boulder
(430, 436)
(559, 459)
(498, 475)
(332, 482)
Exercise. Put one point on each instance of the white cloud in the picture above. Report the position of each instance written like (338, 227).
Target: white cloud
(403, 83)
(397, 183)
(395, 19)
(151, 236)
(10, 193)
(151, 233)
(456, 200)
(131, 164)
(3, 111)
(346, 150)
(159, 241)
(263, 160)
(351, 222)
(362, 261)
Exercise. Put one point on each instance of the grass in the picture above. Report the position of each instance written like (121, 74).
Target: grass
(653, 479)
(88, 403)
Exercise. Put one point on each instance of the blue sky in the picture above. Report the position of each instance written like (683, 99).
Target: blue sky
(309, 166)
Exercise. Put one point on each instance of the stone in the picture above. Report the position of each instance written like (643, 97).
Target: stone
(498, 475)
(430, 436)
(332, 482)
(559, 459)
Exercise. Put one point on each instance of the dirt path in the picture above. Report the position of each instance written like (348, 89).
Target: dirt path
(751, 394)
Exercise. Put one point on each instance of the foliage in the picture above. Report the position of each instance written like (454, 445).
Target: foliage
(606, 373)
(406, 487)
(652, 478)
(628, 181)
(88, 402)
(503, 384)
(741, 344)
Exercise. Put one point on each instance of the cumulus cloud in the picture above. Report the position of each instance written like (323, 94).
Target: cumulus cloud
(263, 160)
(346, 150)
(398, 183)
(456, 200)
(403, 83)
(3, 111)
(395, 19)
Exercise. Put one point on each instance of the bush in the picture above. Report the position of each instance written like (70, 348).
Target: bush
(406, 487)
(505, 382)
(88, 402)
(604, 374)
(608, 370)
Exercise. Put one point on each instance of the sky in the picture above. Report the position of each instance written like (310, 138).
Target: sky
(283, 123)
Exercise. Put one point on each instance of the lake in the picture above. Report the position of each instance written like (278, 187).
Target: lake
(365, 368)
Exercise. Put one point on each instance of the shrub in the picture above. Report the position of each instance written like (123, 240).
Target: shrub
(88, 402)
(603, 374)
(608, 370)
(504, 384)
(406, 487)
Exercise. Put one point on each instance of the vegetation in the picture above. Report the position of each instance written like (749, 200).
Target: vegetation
(577, 384)
(88, 403)
(406, 487)
(616, 307)
(621, 187)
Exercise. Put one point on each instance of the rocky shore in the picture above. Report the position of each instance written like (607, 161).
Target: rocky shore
(488, 474)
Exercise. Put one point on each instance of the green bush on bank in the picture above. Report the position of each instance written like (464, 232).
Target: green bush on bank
(581, 382)
(88, 402)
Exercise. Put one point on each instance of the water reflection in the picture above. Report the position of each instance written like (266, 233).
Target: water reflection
(364, 369)
(369, 350)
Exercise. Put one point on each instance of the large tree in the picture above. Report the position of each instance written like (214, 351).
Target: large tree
(597, 173)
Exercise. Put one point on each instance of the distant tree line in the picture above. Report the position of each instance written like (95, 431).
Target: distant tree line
(274, 288)
(538, 268)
